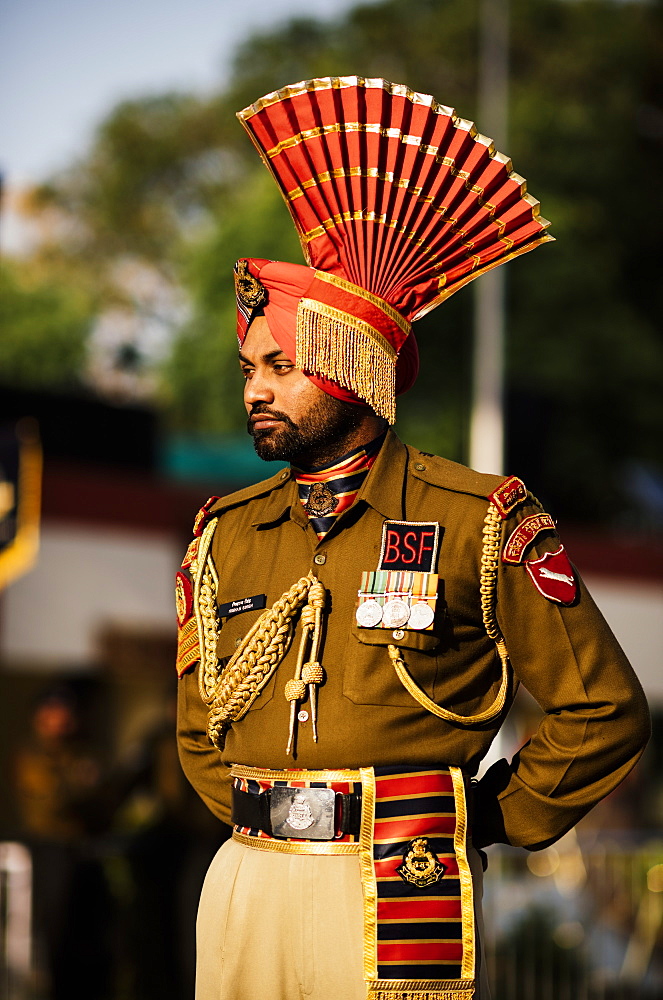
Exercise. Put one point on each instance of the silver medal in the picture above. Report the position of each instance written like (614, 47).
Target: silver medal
(369, 614)
(395, 613)
(421, 615)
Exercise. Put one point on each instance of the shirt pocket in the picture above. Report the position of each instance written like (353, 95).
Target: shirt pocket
(231, 634)
(370, 677)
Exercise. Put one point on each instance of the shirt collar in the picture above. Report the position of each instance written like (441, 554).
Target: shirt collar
(279, 500)
(383, 487)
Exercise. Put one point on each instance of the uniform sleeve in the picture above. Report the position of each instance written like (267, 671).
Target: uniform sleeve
(596, 722)
(201, 762)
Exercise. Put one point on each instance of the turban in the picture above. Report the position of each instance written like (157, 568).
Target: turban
(398, 203)
(296, 297)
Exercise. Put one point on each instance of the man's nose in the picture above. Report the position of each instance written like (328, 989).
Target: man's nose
(257, 389)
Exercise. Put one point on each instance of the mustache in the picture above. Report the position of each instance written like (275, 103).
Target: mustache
(263, 410)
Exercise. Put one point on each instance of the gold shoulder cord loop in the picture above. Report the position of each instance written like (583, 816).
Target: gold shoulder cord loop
(489, 563)
(258, 655)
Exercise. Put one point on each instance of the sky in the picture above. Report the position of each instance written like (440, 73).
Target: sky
(65, 63)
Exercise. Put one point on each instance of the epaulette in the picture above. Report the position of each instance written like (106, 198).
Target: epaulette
(203, 516)
(508, 495)
(503, 495)
(260, 489)
(448, 475)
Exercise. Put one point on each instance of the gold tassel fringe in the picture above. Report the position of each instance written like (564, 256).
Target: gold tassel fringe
(348, 351)
(421, 990)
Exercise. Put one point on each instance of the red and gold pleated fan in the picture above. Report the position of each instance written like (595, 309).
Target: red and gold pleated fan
(392, 192)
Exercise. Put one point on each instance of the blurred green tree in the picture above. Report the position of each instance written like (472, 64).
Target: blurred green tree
(45, 324)
(155, 165)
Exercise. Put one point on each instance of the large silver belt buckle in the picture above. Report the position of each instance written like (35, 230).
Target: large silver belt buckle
(303, 813)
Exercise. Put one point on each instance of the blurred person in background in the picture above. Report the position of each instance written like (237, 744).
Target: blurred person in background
(168, 849)
(353, 630)
(62, 805)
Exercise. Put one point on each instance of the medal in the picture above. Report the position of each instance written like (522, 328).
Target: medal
(397, 600)
(421, 615)
(395, 613)
(369, 614)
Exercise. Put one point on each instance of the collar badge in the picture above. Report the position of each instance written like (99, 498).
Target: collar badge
(321, 501)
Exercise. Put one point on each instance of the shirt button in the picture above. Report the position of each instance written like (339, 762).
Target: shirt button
(420, 467)
(398, 634)
(303, 715)
(237, 642)
(319, 560)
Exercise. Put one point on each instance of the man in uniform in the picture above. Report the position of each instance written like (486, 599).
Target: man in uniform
(353, 630)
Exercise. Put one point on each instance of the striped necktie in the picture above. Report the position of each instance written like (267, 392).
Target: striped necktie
(328, 491)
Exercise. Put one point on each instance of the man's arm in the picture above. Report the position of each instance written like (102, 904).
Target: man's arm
(596, 721)
(201, 762)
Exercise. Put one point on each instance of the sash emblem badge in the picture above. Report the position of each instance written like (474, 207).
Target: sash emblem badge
(421, 865)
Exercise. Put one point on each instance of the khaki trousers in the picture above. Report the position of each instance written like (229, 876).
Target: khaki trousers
(288, 927)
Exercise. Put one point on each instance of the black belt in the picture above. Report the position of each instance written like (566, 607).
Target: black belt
(301, 813)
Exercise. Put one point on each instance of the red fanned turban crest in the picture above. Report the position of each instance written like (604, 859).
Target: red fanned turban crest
(398, 203)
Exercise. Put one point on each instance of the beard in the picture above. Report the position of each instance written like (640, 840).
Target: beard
(322, 434)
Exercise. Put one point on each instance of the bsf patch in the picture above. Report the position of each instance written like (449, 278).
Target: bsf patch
(409, 545)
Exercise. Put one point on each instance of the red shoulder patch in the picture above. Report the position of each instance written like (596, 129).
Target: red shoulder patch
(203, 515)
(508, 495)
(554, 576)
(523, 536)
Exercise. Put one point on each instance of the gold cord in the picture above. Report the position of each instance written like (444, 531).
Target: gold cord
(254, 661)
(295, 689)
(207, 677)
(413, 688)
(489, 561)
(310, 673)
(488, 591)
(205, 583)
(252, 665)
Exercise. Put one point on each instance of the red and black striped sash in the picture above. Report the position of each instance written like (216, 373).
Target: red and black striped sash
(423, 912)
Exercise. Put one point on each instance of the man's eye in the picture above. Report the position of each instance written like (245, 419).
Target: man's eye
(283, 368)
(246, 372)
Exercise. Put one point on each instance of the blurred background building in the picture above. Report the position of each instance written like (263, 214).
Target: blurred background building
(128, 191)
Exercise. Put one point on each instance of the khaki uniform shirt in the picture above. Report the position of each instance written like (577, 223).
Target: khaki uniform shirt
(595, 724)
